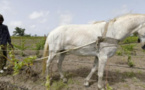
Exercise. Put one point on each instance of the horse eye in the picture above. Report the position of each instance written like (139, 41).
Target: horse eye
(138, 40)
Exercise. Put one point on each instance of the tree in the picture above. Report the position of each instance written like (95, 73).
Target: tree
(19, 32)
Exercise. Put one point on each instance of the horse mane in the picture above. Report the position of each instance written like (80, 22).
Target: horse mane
(117, 17)
(97, 22)
(124, 15)
(127, 14)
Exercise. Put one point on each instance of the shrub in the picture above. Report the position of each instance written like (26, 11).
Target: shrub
(17, 64)
(119, 53)
(127, 49)
(130, 62)
(131, 39)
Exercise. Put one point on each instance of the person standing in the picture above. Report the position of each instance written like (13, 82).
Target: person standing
(4, 39)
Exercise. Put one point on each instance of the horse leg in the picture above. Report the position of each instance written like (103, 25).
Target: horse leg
(59, 65)
(102, 63)
(50, 58)
(92, 72)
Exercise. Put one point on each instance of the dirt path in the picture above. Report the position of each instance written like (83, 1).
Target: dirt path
(119, 75)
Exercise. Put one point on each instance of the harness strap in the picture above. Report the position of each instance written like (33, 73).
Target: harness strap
(105, 30)
(111, 40)
(106, 39)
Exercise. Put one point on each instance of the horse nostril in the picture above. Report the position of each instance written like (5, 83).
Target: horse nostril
(143, 47)
(138, 40)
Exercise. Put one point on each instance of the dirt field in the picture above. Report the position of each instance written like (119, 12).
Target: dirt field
(117, 73)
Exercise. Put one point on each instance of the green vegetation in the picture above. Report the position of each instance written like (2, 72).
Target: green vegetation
(108, 87)
(17, 64)
(58, 85)
(47, 84)
(129, 74)
(130, 62)
(27, 38)
(22, 46)
(127, 48)
(131, 39)
(39, 46)
(22, 43)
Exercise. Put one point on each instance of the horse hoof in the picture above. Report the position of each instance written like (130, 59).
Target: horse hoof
(101, 89)
(64, 80)
(86, 84)
(1, 71)
(5, 68)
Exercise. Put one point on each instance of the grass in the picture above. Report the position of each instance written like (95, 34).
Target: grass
(108, 87)
(60, 85)
(18, 37)
(29, 41)
(130, 74)
(126, 85)
(130, 62)
(131, 39)
(140, 72)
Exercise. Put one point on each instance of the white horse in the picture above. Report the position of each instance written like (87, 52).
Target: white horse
(70, 36)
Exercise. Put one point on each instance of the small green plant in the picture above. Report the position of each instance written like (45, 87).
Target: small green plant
(128, 49)
(59, 85)
(130, 62)
(130, 74)
(22, 47)
(39, 46)
(136, 79)
(139, 72)
(47, 84)
(131, 39)
(119, 53)
(17, 65)
(108, 87)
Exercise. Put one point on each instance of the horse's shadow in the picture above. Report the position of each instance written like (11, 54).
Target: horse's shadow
(112, 77)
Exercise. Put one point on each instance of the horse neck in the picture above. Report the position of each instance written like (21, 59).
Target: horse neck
(124, 26)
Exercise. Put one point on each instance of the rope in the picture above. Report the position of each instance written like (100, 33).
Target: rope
(66, 51)
(97, 42)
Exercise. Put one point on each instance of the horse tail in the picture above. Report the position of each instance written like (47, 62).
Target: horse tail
(45, 54)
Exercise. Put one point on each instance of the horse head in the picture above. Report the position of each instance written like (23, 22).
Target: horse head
(141, 35)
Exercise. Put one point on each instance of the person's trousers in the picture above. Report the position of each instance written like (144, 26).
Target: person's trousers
(3, 56)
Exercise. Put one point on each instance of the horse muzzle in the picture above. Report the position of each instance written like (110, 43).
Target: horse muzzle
(143, 47)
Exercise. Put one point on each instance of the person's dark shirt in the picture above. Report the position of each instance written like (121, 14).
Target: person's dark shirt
(4, 35)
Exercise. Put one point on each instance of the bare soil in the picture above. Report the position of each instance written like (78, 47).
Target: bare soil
(118, 74)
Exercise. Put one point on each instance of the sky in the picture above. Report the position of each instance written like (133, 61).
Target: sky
(39, 17)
